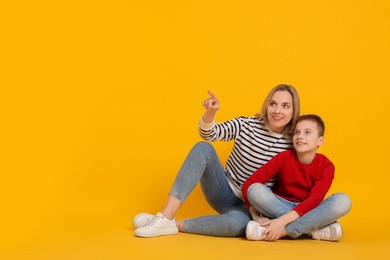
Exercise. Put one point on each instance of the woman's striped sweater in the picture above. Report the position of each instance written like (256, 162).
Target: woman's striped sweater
(254, 145)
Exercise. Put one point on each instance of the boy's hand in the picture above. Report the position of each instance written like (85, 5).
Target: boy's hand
(275, 229)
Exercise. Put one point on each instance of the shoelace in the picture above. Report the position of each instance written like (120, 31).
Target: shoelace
(154, 220)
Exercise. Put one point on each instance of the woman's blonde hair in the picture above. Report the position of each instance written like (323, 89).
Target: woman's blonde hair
(288, 129)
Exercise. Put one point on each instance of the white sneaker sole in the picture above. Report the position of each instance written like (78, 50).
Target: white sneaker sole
(164, 232)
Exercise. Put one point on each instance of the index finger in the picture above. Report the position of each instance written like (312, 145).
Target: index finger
(211, 94)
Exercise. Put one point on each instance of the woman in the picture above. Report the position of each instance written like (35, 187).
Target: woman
(256, 140)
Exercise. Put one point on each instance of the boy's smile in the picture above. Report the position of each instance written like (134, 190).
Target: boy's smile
(306, 139)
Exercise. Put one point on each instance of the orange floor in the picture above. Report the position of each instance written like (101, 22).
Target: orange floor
(115, 240)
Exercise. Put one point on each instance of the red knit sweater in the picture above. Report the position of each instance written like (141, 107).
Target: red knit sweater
(295, 181)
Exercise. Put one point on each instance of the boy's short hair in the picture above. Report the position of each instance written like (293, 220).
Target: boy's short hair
(316, 119)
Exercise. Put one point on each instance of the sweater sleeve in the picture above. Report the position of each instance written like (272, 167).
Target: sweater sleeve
(263, 174)
(320, 188)
(205, 126)
(225, 131)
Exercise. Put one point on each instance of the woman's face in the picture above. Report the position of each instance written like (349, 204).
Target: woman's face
(280, 111)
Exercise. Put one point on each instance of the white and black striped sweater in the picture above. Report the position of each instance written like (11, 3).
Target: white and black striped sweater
(254, 145)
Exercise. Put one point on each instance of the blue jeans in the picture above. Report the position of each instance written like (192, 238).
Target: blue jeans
(202, 164)
(272, 206)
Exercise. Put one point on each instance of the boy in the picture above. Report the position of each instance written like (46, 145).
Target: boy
(295, 206)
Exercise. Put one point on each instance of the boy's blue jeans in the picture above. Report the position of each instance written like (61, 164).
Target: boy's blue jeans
(202, 164)
(273, 206)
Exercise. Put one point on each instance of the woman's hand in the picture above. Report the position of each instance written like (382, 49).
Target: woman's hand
(211, 105)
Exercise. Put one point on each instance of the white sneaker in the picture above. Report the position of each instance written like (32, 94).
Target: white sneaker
(332, 232)
(158, 226)
(142, 219)
(254, 231)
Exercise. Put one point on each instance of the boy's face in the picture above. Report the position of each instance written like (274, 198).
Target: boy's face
(306, 137)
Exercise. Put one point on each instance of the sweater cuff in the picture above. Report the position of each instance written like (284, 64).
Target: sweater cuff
(206, 126)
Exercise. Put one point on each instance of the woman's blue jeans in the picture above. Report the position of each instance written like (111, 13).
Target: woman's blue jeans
(272, 206)
(202, 164)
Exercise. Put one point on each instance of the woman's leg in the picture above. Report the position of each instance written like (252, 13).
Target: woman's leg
(202, 164)
(215, 186)
(229, 224)
(234, 214)
(200, 159)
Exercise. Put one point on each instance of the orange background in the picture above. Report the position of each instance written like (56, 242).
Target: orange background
(100, 101)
